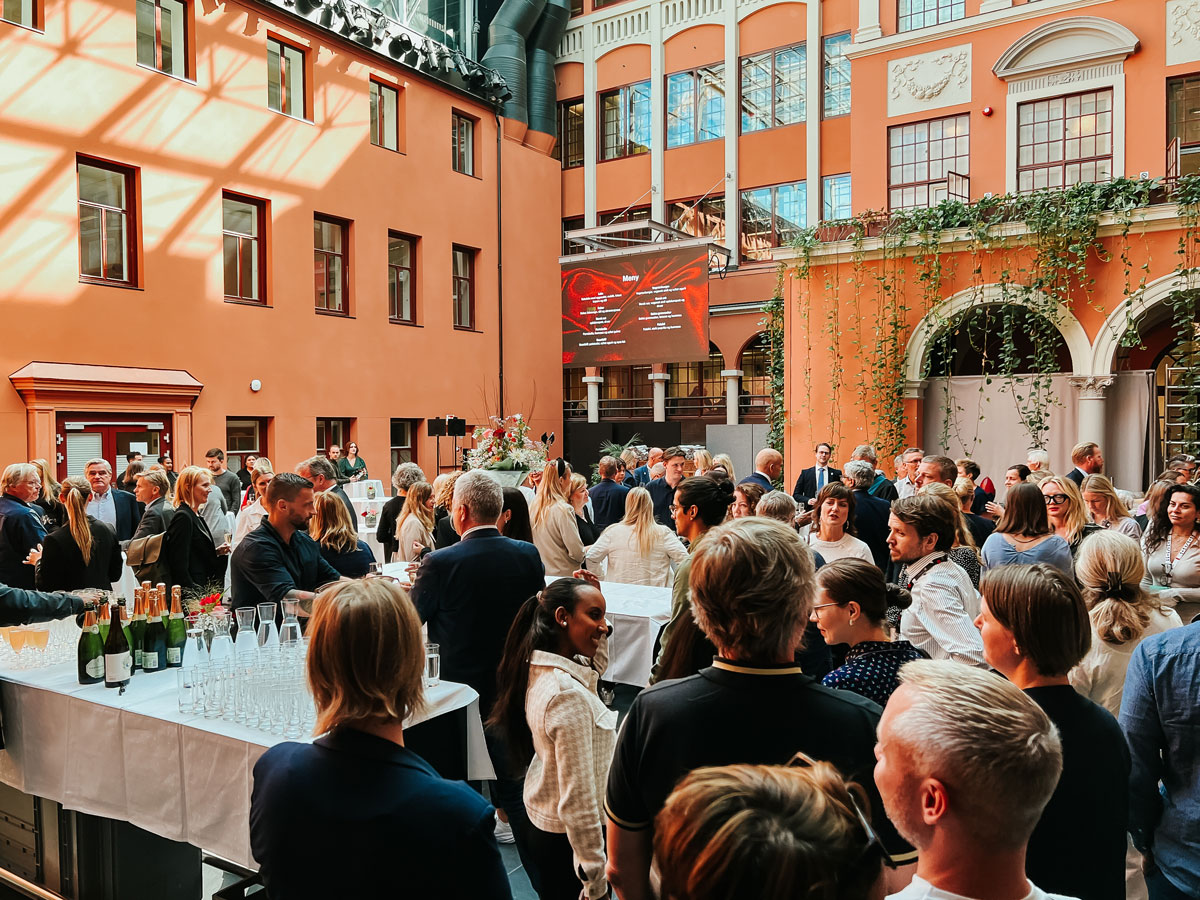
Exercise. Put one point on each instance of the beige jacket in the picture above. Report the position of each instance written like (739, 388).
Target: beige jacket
(557, 539)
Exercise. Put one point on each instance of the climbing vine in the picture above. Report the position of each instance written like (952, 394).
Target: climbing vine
(772, 326)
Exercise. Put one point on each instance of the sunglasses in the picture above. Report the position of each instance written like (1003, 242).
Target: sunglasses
(1058, 499)
(874, 844)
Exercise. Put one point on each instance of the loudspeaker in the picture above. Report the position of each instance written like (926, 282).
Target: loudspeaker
(435, 427)
(456, 427)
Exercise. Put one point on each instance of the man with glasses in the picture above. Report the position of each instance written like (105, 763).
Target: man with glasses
(21, 528)
(966, 764)
(1185, 463)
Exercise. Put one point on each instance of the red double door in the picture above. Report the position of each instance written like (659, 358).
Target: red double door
(114, 437)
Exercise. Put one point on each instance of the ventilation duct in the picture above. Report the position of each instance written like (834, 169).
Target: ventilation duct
(507, 34)
(542, 47)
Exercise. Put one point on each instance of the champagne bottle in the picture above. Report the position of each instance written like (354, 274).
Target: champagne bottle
(91, 650)
(103, 621)
(137, 628)
(118, 661)
(154, 644)
(176, 629)
(125, 620)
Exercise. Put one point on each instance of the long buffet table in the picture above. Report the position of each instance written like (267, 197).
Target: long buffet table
(185, 777)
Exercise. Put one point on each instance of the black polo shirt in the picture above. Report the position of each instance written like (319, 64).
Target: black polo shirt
(265, 567)
(731, 713)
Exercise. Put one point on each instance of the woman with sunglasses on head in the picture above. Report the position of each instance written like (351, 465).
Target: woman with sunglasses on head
(1171, 547)
(552, 518)
(1067, 512)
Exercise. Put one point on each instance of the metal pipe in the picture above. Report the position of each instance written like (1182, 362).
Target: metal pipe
(507, 34)
(28, 888)
(500, 258)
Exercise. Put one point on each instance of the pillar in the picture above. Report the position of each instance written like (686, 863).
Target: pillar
(868, 21)
(1091, 390)
(593, 383)
(733, 378)
(659, 380)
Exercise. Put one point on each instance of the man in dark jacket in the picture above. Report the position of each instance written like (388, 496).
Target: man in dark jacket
(608, 497)
(118, 509)
(152, 489)
(21, 528)
(870, 513)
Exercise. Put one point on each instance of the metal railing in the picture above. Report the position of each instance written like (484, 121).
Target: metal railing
(751, 407)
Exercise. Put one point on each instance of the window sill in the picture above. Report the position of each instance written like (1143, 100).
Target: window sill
(409, 323)
(185, 79)
(240, 301)
(469, 175)
(625, 156)
(467, 329)
(742, 133)
(711, 140)
(333, 313)
(280, 112)
(35, 29)
(395, 150)
(103, 282)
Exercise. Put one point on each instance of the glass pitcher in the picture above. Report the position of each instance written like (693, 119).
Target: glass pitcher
(290, 635)
(268, 631)
(221, 647)
(246, 643)
(196, 653)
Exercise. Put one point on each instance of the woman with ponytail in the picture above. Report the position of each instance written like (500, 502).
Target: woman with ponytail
(83, 553)
(1109, 570)
(551, 718)
(555, 533)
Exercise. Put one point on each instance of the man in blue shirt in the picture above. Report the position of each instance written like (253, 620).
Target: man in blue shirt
(278, 560)
(662, 490)
(1160, 718)
(608, 497)
(21, 528)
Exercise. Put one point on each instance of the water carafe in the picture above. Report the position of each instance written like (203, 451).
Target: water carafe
(221, 647)
(268, 631)
(290, 635)
(245, 645)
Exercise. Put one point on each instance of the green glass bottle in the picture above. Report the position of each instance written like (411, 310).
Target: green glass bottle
(137, 628)
(176, 629)
(103, 620)
(91, 650)
(154, 644)
(118, 661)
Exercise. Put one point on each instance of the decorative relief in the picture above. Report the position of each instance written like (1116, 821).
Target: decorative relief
(1107, 71)
(1091, 387)
(1183, 31)
(930, 80)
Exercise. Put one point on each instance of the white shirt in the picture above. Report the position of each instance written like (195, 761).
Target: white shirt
(821, 476)
(905, 488)
(103, 507)
(846, 546)
(920, 889)
(626, 565)
(941, 620)
(247, 520)
(1100, 676)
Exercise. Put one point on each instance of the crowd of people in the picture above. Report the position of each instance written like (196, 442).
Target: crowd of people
(923, 687)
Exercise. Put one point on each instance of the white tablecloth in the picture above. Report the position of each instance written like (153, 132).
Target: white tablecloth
(356, 490)
(186, 778)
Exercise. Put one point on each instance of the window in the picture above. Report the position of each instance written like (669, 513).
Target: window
(704, 218)
(1183, 122)
(106, 226)
(332, 432)
(1064, 140)
(835, 197)
(462, 143)
(773, 88)
(285, 78)
(402, 280)
(837, 75)
(919, 13)
(161, 36)
(329, 244)
(19, 12)
(772, 217)
(572, 223)
(244, 437)
(635, 236)
(570, 133)
(625, 121)
(385, 119)
(696, 388)
(241, 225)
(696, 106)
(464, 287)
(404, 448)
(921, 155)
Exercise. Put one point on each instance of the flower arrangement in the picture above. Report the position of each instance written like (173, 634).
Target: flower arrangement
(505, 445)
(370, 516)
(204, 608)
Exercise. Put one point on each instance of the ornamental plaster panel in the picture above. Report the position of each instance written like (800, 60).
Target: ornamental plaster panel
(929, 80)
(1183, 31)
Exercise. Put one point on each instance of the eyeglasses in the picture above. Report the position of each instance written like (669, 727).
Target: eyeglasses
(674, 508)
(823, 605)
(1058, 499)
(802, 761)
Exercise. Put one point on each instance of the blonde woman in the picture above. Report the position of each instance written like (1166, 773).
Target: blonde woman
(577, 496)
(253, 513)
(338, 538)
(723, 460)
(964, 489)
(555, 533)
(53, 514)
(1106, 507)
(1066, 511)
(702, 460)
(194, 560)
(964, 552)
(416, 523)
(638, 550)
(83, 553)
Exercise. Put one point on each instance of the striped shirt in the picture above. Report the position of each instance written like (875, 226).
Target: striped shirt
(941, 620)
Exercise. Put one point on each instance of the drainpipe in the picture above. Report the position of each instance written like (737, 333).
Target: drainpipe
(500, 255)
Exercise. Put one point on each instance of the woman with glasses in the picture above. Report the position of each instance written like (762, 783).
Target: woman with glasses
(851, 608)
(1066, 511)
(1106, 507)
(1023, 535)
(801, 831)
(1172, 547)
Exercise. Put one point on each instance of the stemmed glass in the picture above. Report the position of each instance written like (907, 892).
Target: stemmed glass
(39, 638)
(16, 637)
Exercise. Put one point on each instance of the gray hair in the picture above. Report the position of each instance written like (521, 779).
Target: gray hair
(18, 473)
(865, 451)
(98, 461)
(1039, 456)
(481, 495)
(994, 748)
(777, 505)
(861, 471)
(406, 475)
(318, 465)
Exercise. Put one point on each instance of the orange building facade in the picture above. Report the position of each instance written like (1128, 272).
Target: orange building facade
(229, 225)
(751, 120)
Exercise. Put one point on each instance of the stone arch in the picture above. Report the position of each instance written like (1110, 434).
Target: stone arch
(921, 342)
(1103, 357)
(1066, 42)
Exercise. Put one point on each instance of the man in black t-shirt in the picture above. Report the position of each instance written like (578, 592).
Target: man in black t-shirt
(753, 705)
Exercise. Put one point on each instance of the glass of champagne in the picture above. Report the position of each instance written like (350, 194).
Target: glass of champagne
(16, 637)
(39, 637)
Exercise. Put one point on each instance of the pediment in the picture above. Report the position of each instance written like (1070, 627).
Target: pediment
(1066, 43)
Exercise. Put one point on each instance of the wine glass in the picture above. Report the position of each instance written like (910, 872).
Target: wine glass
(16, 637)
(39, 638)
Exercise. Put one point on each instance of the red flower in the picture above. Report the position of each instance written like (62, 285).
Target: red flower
(498, 434)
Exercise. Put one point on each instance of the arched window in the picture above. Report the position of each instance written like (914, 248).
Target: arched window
(998, 339)
(755, 392)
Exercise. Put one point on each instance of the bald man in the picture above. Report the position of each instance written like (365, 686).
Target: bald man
(768, 466)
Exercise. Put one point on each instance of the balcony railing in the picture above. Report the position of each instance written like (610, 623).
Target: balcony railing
(751, 407)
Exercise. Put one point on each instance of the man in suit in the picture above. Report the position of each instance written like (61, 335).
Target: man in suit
(662, 489)
(641, 475)
(881, 486)
(21, 528)
(152, 489)
(323, 475)
(870, 513)
(608, 497)
(118, 509)
(468, 595)
(768, 468)
(811, 480)
(1088, 461)
(943, 469)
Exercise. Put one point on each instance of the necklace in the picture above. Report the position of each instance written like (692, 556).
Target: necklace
(1164, 580)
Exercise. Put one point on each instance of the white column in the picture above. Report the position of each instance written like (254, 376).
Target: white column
(1091, 390)
(590, 126)
(868, 21)
(593, 383)
(991, 5)
(658, 115)
(816, 106)
(660, 380)
(733, 379)
(733, 116)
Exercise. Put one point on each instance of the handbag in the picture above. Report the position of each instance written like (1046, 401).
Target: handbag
(148, 559)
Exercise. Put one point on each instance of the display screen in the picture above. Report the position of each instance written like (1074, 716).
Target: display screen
(641, 309)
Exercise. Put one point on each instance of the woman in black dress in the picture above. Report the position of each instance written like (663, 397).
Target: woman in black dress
(193, 558)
